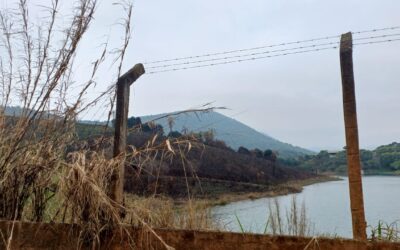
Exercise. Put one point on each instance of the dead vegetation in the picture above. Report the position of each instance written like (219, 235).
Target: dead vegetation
(41, 178)
(293, 222)
(36, 74)
(162, 212)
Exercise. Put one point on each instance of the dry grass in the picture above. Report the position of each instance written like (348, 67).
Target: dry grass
(42, 177)
(36, 73)
(46, 174)
(163, 212)
(290, 222)
(89, 205)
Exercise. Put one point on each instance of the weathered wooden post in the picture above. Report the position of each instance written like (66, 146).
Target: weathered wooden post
(351, 129)
(123, 84)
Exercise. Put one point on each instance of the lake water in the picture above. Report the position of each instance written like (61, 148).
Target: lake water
(327, 206)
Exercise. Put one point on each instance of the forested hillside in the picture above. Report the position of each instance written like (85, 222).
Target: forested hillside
(231, 131)
(383, 160)
(210, 167)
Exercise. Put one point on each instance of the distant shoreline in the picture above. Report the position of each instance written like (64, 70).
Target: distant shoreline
(290, 187)
(369, 173)
(383, 173)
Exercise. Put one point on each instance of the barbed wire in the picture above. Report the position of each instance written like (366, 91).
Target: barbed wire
(376, 30)
(266, 52)
(240, 56)
(376, 42)
(268, 46)
(374, 37)
(269, 56)
(241, 60)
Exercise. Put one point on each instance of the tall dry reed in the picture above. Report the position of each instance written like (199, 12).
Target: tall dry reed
(293, 222)
(46, 173)
(39, 171)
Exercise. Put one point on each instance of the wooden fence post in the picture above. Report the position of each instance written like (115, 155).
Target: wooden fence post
(123, 84)
(351, 128)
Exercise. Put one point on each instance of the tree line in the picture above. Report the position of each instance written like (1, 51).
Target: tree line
(384, 159)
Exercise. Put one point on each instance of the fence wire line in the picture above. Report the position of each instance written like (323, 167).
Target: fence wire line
(269, 46)
(376, 42)
(242, 60)
(269, 56)
(266, 52)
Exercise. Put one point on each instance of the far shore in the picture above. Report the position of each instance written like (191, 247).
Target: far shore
(366, 173)
(291, 187)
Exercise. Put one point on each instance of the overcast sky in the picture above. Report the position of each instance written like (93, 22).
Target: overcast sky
(296, 98)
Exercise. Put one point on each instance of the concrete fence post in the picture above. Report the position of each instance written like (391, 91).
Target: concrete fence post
(351, 129)
(120, 136)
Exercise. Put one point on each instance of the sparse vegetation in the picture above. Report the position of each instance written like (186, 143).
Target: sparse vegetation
(290, 222)
(385, 232)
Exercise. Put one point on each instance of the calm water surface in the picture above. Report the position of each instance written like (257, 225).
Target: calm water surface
(327, 206)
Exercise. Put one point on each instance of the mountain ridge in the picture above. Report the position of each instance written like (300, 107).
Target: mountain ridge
(233, 132)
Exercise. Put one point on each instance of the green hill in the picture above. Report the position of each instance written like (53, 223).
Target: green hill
(382, 160)
(233, 132)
